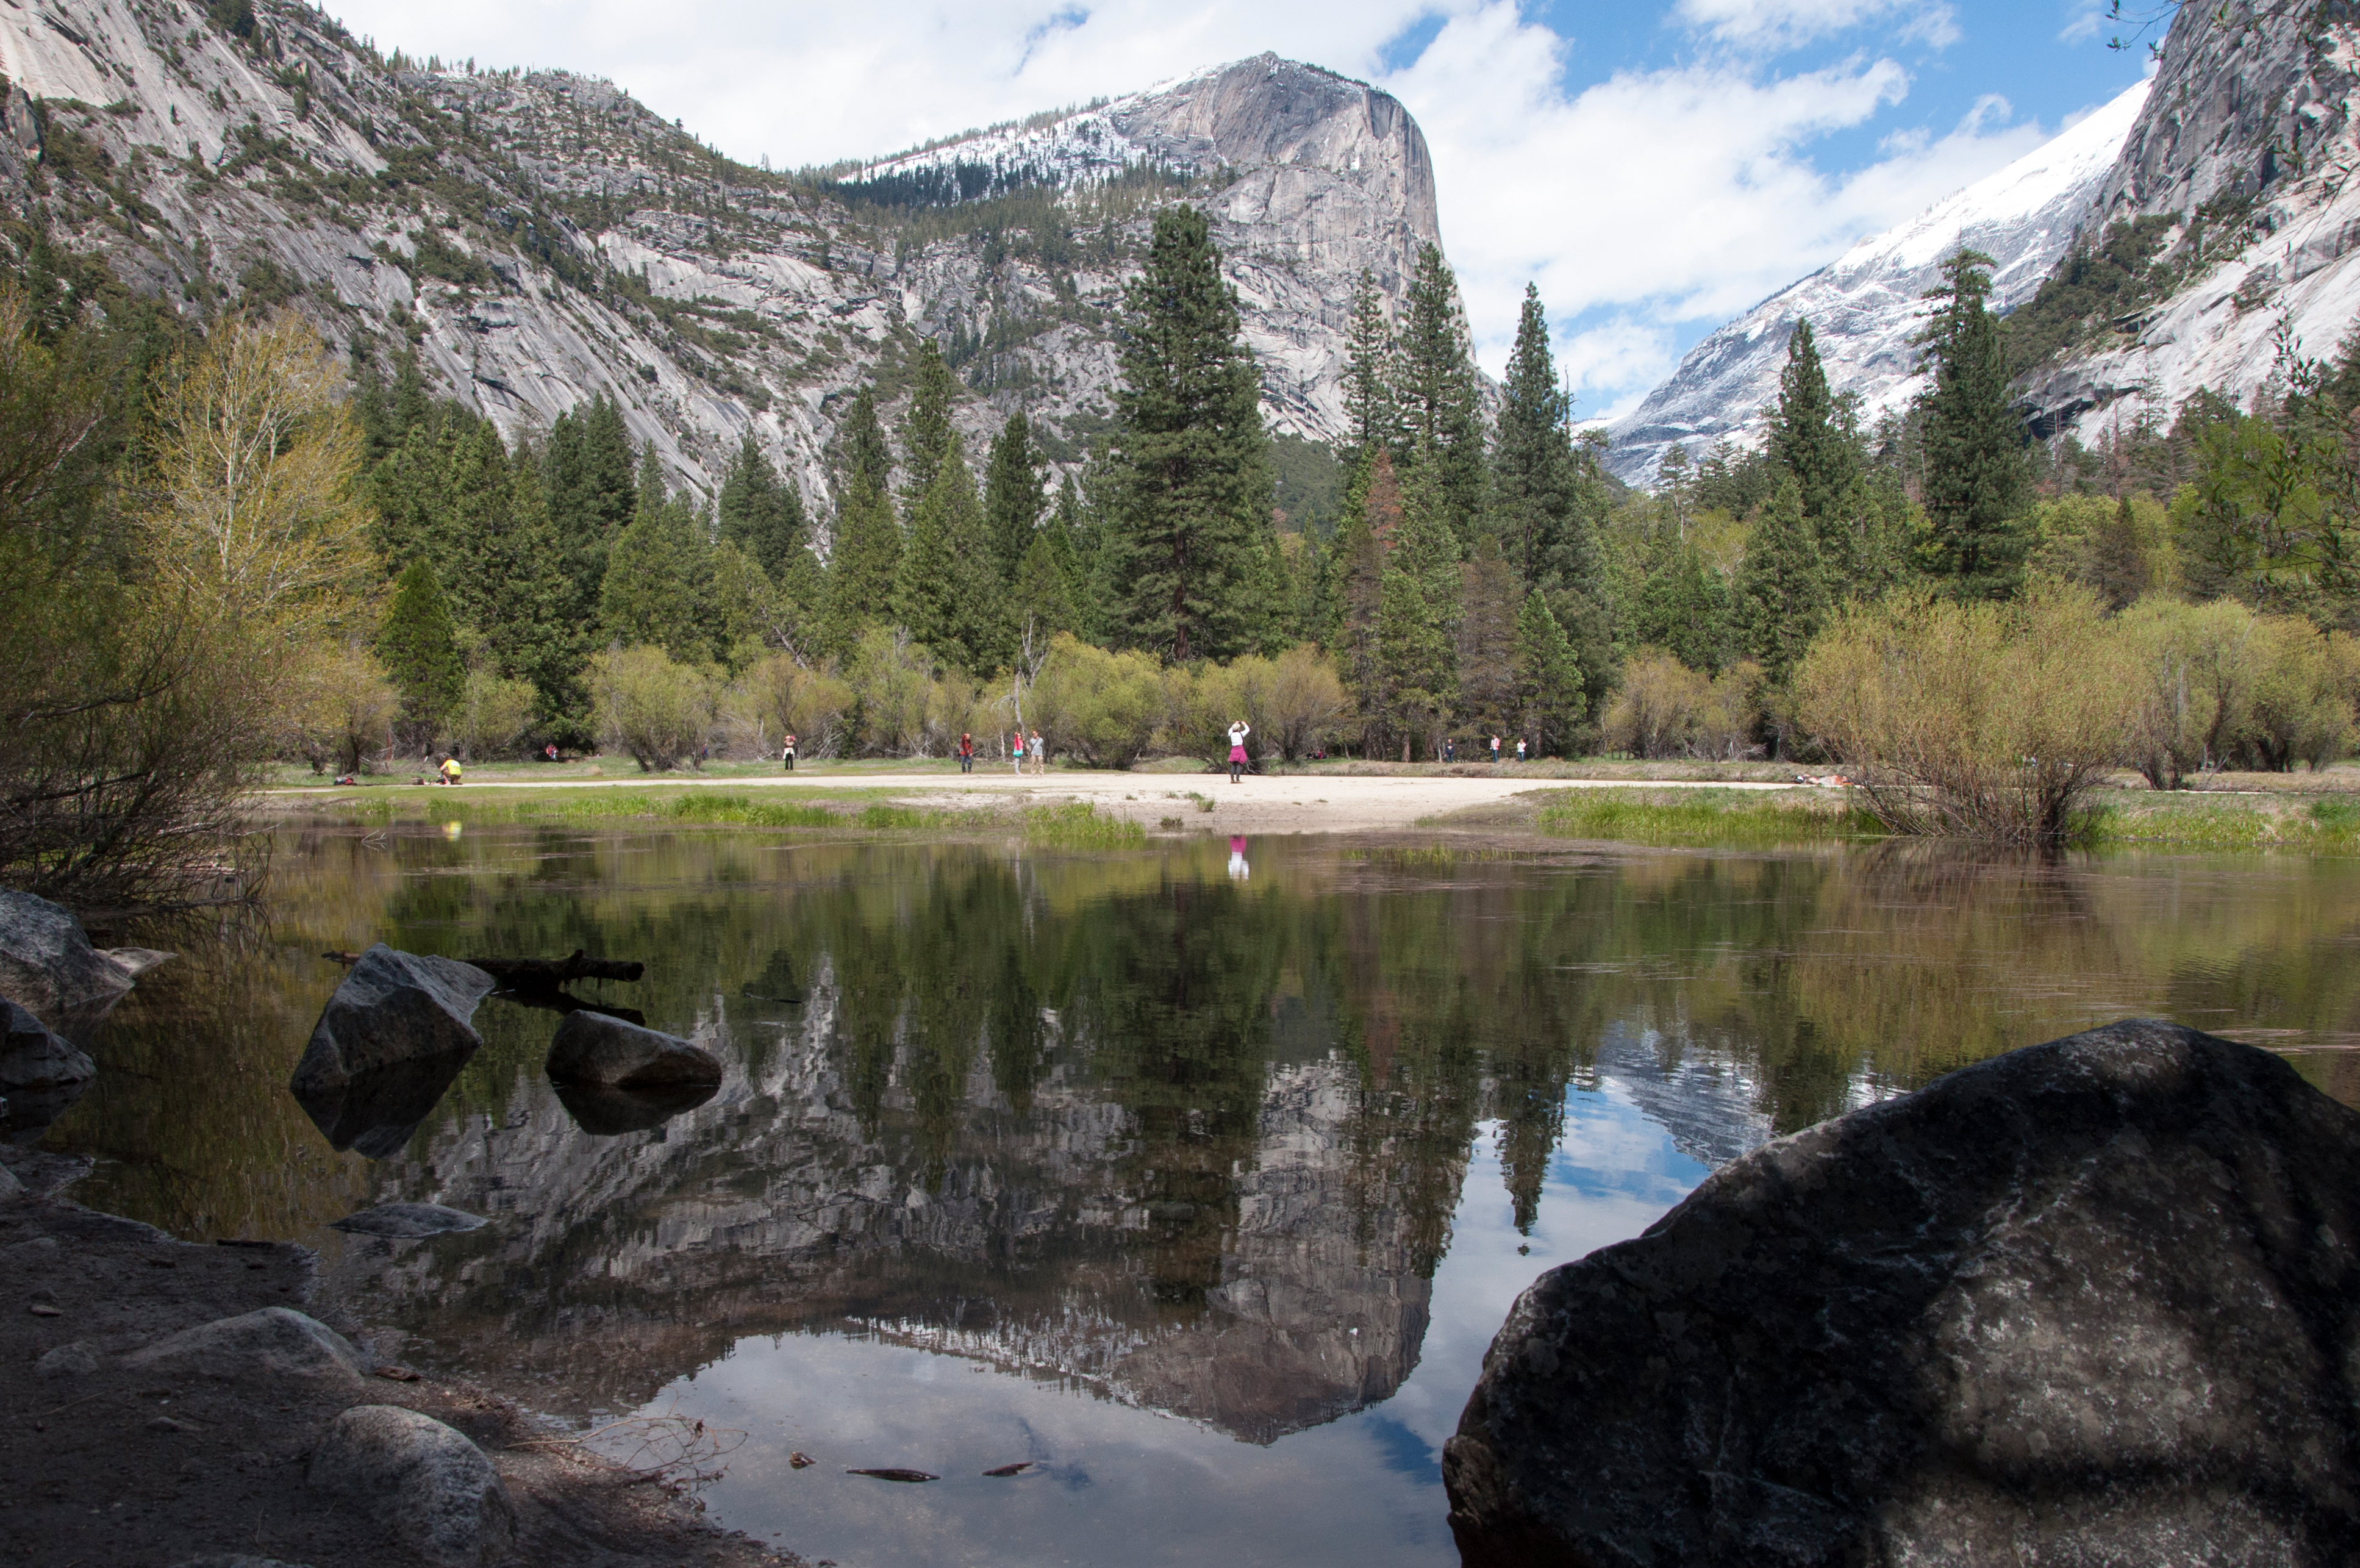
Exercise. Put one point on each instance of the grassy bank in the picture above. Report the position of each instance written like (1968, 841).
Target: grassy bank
(1705, 818)
(1073, 824)
(2321, 827)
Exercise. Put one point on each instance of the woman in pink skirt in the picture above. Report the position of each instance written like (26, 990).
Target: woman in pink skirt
(1237, 733)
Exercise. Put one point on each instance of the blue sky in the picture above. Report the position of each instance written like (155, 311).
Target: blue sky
(1656, 168)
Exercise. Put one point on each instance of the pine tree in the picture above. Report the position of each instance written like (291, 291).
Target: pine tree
(1974, 462)
(865, 552)
(588, 481)
(1356, 571)
(1437, 390)
(1533, 468)
(1369, 372)
(1553, 702)
(926, 585)
(1806, 438)
(1782, 588)
(1419, 612)
(657, 589)
(1193, 481)
(926, 431)
(1013, 498)
(758, 511)
(521, 594)
(1683, 609)
(1487, 638)
(1042, 597)
(418, 644)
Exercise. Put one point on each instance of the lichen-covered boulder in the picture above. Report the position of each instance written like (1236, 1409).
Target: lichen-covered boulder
(592, 1048)
(388, 1044)
(2091, 1302)
(258, 1347)
(422, 1480)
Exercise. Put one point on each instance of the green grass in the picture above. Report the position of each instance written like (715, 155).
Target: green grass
(851, 812)
(1703, 819)
(2191, 822)
(1078, 825)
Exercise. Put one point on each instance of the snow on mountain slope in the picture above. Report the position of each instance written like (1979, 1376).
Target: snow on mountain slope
(1864, 307)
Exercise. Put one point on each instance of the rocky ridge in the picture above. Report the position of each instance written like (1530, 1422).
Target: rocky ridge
(542, 238)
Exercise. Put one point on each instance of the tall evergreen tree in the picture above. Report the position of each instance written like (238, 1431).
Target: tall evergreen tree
(759, 513)
(417, 643)
(1551, 691)
(1807, 438)
(1418, 613)
(1487, 638)
(1437, 390)
(1974, 461)
(864, 554)
(1782, 588)
(926, 431)
(589, 484)
(1194, 482)
(1369, 372)
(1356, 571)
(658, 587)
(1532, 470)
(1683, 609)
(1013, 498)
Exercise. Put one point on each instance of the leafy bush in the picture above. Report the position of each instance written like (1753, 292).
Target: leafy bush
(656, 709)
(1102, 707)
(893, 687)
(1974, 720)
(776, 696)
(1666, 709)
(493, 714)
(344, 708)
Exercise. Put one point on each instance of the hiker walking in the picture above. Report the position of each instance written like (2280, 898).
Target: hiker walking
(1040, 754)
(967, 752)
(1016, 751)
(1237, 733)
(787, 756)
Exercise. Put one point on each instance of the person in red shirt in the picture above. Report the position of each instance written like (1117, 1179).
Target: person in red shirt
(967, 752)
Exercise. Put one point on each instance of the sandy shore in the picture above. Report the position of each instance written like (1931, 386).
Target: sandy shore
(1298, 803)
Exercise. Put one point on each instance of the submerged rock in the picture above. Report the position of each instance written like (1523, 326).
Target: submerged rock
(408, 1219)
(275, 1341)
(592, 1048)
(2087, 1302)
(604, 1113)
(389, 1045)
(48, 968)
(73, 1360)
(425, 1481)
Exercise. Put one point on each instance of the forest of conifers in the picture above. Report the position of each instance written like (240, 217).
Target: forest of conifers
(223, 547)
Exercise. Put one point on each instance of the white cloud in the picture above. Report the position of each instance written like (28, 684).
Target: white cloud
(1784, 24)
(1647, 207)
(1657, 199)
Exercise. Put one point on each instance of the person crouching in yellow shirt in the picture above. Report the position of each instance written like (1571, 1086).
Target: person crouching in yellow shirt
(450, 770)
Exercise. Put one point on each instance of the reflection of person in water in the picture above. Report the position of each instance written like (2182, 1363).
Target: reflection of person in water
(1239, 870)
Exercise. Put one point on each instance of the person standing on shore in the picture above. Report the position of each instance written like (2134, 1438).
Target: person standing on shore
(1449, 748)
(1016, 752)
(967, 752)
(1520, 748)
(1495, 751)
(787, 756)
(1040, 755)
(1237, 733)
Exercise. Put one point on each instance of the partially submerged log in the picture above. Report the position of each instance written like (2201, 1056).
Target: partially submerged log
(538, 974)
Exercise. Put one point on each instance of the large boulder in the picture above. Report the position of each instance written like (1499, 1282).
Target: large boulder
(604, 1113)
(422, 1480)
(48, 968)
(389, 1043)
(259, 1347)
(594, 1048)
(2091, 1302)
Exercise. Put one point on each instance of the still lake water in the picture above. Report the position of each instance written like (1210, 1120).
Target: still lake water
(1200, 1179)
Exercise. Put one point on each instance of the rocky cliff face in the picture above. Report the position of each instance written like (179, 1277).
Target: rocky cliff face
(542, 238)
(2241, 144)
(2246, 147)
(1865, 307)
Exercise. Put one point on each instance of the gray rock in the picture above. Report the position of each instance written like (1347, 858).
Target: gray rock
(592, 1048)
(276, 1341)
(74, 1360)
(235, 1561)
(408, 1219)
(47, 966)
(10, 1187)
(2090, 1302)
(32, 1057)
(422, 1480)
(389, 1043)
(606, 1112)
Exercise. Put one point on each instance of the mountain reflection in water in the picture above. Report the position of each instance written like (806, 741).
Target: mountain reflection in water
(1257, 1151)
